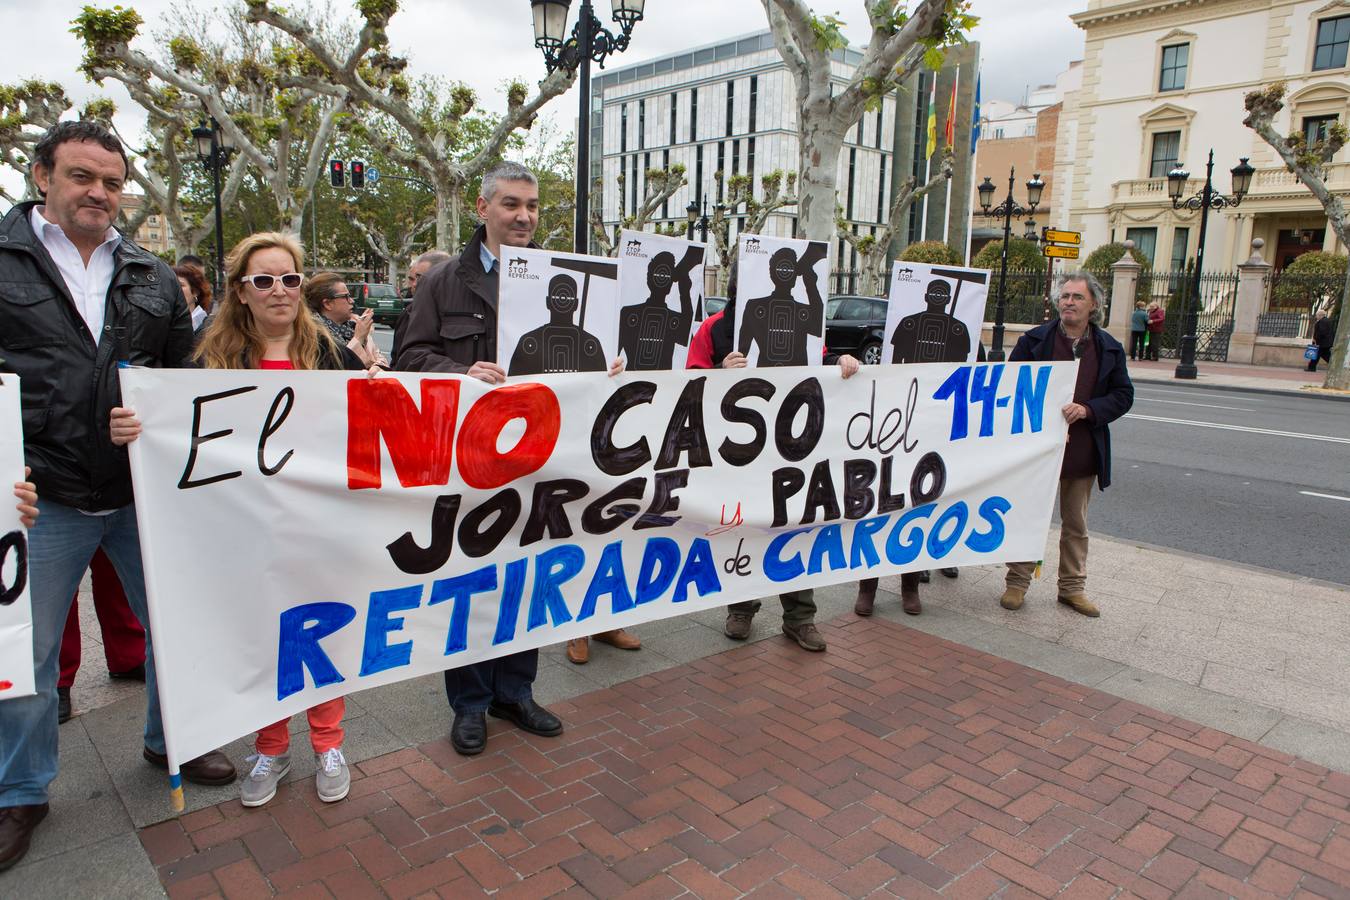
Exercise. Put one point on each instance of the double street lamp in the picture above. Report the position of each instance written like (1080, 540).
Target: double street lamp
(1204, 200)
(698, 218)
(214, 153)
(1007, 210)
(590, 41)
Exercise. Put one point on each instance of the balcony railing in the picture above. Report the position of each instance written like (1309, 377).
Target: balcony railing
(1271, 180)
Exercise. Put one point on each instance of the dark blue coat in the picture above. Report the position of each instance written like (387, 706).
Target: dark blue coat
(1112, 396)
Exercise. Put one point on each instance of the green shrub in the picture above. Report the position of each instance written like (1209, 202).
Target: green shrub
(1023, 255)
(1312, 281)
(931, 252)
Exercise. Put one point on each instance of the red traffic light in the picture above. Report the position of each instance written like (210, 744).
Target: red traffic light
(337, 173)
(358, 174)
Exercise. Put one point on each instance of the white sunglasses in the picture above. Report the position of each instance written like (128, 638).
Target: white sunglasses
(290, 280)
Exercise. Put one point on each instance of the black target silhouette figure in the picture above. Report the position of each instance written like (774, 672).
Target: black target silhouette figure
(936, 334)
(778, 325)
(649, 331)
(563, 345)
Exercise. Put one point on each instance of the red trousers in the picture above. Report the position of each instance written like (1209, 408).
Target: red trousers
(123, 636)
(325, 730)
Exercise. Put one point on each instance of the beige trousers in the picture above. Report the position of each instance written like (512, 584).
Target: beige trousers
(1074, 494)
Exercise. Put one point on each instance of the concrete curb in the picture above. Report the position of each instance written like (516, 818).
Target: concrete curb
(1238, 388)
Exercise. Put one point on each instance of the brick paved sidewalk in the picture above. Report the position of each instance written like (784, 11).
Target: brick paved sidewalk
(896, 763)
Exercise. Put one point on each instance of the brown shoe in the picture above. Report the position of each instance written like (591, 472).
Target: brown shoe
(212, 768)
(620, 638)
(909, 594)
(1081, 604)
(579, 651)
(1012, 598)
(867, 597)
(17, 824)
(806, 635)
(738, 625)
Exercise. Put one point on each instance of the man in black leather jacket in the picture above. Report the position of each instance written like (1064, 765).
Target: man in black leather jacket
(76, 300)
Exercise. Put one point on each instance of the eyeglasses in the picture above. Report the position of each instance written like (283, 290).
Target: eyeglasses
(290, 280)
(335, 296)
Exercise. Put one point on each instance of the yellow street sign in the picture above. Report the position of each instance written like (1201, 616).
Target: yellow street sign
(1061, 252)
(1064, 237)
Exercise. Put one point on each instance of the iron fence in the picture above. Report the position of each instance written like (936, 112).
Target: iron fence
(1214, 311)
(845, 281)
(1025, 295)
(1293, 299)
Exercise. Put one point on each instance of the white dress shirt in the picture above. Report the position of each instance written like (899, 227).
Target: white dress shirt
(88, 285)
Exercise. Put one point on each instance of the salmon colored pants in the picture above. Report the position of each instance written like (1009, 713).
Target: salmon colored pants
(325, 730)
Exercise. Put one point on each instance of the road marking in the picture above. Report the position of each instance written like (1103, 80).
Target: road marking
(1324, 496)
(1205, 405)
(1192, 392)
(1247, 428)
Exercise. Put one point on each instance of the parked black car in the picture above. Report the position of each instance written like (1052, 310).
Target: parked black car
(855, 325)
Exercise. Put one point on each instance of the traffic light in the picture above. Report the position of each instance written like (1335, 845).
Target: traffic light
(337, 173)
(358, 174)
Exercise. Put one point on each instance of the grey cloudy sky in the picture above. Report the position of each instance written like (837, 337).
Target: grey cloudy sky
(486, 43)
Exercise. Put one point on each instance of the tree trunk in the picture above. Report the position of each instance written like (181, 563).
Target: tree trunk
(454, 223)
(817, 186)
(442, 220)
(1338, 374)
(873, 265)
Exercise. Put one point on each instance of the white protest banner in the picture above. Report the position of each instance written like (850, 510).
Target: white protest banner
(556, 312)
(780, 310)
(379, 529)
(660, 299)
(16, 610)
(934, 314)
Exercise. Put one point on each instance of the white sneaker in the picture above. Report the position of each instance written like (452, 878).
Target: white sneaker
(332, 779)
(261, 784)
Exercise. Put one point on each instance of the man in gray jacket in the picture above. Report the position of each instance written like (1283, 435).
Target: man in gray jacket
(76, 299)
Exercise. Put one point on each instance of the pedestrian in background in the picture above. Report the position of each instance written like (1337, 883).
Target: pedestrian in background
(1139, 330)
(196, 292)
(420, 267)
(261, 323)
(1102, 394)
(1323, 337)
(330, 301)
(1156, 316)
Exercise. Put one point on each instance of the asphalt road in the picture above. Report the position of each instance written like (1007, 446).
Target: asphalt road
(1271, 488)
(1238, 493)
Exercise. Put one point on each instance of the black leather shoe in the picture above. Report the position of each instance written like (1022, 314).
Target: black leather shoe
(62, 705)
(529, 716)
(950, 572)
(468, 735)
(17, 824)
(136, 674)
(212, 768)
(925, 576)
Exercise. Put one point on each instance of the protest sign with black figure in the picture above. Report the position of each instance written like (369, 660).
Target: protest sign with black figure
(660, 297)
(935, 313)
(556, 312)
(16, 611)
(780, 316)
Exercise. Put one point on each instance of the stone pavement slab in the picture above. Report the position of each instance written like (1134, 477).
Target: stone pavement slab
(897, 764)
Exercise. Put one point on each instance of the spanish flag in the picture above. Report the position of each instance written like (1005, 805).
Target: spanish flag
(932, 119)
(950, 135)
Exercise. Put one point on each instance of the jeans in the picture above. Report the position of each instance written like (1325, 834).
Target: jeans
(799, 607)
(1137, 344)
(60, 548)
(1074, 494)
(506, 679)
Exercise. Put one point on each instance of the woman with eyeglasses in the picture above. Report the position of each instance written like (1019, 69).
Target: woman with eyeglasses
(331, 302)
(260, 323)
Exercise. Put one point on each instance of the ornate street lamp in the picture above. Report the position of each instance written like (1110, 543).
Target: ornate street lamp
(590, 41)
(1206, 199)
(214, 153)
(695, 218)
(1007, 210)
